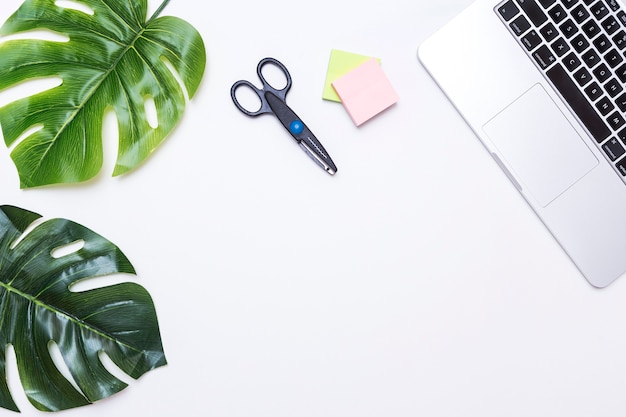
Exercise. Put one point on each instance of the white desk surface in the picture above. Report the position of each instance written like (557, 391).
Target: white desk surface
(415, 282)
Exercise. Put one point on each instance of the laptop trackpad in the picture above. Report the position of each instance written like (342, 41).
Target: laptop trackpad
(545, 153)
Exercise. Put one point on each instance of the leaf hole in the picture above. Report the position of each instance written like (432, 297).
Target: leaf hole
(28, 88)
(67, 249)
(110, 139)
(103, 281)
(29, 229)
(37, 34)
(113, 369)
(27, 133)
(57, 359)
(176, 75)
(13, 379)
(151, 112)
(74, 5)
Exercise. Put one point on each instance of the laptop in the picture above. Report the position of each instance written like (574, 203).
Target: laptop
(542, 83)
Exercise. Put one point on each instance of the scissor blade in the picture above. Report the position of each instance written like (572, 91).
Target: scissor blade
(302, 135)
(326, 166)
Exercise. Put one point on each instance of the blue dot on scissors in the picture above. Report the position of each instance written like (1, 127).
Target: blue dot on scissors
(296, 127)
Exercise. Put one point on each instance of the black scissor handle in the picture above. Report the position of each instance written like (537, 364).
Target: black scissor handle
(267, 88)
(265, 107)
(280, 93)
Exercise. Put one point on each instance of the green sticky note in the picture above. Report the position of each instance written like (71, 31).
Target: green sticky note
(340, 64)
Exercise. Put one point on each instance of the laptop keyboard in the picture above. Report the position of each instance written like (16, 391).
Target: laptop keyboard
(580, 46)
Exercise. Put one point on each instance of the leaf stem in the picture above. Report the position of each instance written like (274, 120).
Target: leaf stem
(158, 11)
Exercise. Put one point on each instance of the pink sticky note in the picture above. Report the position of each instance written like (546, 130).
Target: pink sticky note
(365, 91)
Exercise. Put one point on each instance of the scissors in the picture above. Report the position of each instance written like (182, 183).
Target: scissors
(273, 102)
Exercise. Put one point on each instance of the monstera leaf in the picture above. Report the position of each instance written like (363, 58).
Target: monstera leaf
(37, 309)
(114, 59)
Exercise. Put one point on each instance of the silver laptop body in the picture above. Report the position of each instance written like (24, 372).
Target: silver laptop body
(510, 68)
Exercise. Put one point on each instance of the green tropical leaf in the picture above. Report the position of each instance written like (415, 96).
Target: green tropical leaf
(38, 308)
(114, 59)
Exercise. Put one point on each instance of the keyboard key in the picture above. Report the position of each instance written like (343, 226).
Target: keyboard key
(582, 76)
(604, 106)
(568, 28)
(620, 39)
(508, 10)
(610, 25)
(557, 13)
(560, 47)
(571, 62)
(599, 10)
(578, 103)
(580, 14)
(520, 25)
(613, 149)
(531, 40)
(613, 4)
(546, 3)
(593, 91)
(544, 57)
(613, 87)
(591, 58)
(533, 11)
(602, 43)
(616, 120)
(602, 73)
(621, 16)
(549, 32)
(591, 28)
(613, 58)
(580, 43)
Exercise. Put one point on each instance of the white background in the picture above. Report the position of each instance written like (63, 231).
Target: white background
(415, 282)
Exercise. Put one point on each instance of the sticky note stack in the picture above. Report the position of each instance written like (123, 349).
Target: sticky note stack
(360, 84)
